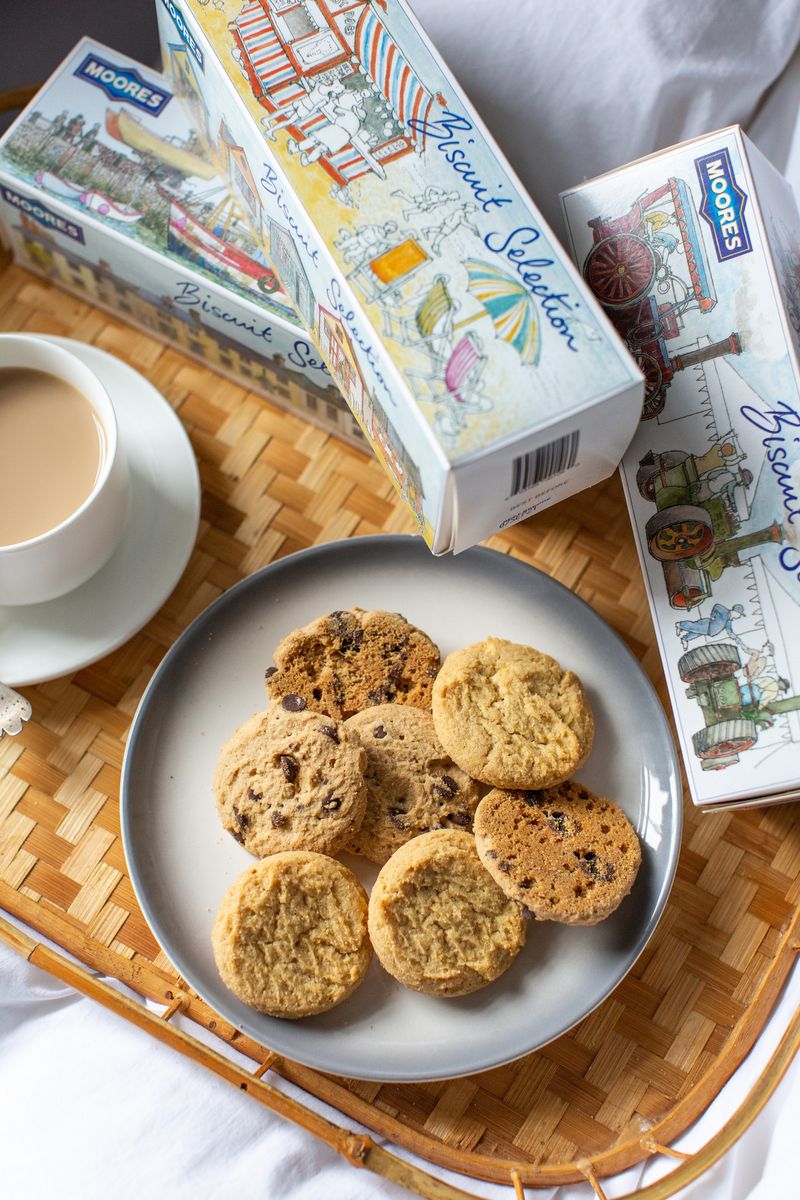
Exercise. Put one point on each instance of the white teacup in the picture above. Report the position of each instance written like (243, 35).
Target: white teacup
(63, 557)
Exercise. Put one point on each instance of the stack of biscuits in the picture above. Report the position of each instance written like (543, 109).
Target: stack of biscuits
(370, 747)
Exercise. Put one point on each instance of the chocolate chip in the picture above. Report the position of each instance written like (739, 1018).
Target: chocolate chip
(459, 818)
(254, 796)
(290, 767)
(396, 817)
(331, 803)
(589, 855)
(241, 819)
(239, 836)
(381, 695)
(563, 825)
(351, 642)
(379, 732)
(278, 820)
(533, 797)
(293, 702)
(330, 732)
(491, 854)
(270, 671)
(445, 787)
(504, 866)
(526, 883)
(527, 915)
(597, 869)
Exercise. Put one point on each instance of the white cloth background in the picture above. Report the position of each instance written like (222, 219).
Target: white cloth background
(90, 1106)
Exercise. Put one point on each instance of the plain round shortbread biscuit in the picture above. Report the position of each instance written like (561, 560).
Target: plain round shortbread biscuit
(438, 922)
(351, 660)
(510, 716)
(565, 853)
(290, 937)
(412, 785)
(291, 781)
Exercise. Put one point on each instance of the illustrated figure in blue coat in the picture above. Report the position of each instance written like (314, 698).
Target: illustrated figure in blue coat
(720, 621)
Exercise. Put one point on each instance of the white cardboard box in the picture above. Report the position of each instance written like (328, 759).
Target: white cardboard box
(695, 252)
(487, 379)
(105, 190)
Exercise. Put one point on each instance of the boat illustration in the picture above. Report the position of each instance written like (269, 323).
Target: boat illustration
(90, 198)
(192, 239)
(123, 127)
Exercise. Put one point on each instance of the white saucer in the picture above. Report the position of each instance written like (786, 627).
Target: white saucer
(43, 641)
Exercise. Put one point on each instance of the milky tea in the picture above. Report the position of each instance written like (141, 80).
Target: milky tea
(52, 448)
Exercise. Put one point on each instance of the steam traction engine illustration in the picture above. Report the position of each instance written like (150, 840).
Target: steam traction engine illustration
(331, 75)
(694, 532)
(648, 278)
(735, 712)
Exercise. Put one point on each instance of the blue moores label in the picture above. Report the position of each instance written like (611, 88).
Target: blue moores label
(44, 215)
(179, 21)
(723, 205)
(124, 84)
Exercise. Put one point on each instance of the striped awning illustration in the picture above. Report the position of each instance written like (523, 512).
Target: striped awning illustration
(383, 62)
(266, 55)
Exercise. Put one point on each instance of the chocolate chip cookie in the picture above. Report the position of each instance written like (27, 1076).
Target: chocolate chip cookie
(291, 781)
(290, 937)
(510, 716)
(412, 785)
(438, 921)
(351, 660)
(565, 853)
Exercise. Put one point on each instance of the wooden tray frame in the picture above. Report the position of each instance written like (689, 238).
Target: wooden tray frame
(586, 543)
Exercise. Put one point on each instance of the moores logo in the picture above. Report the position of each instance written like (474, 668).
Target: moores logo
(187, 37)
(723, 205)
(123, 83)
(44, 215)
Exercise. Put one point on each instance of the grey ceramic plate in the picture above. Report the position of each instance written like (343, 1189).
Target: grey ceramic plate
(182, 862)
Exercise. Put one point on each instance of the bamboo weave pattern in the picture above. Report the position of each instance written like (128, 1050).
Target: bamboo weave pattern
(650, 1057)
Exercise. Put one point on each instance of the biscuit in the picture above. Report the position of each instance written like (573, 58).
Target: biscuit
(291, 781)
(290, 937)
(510, 716)
(438, 922)
(565, 853)
(412, 785)
(351, 660)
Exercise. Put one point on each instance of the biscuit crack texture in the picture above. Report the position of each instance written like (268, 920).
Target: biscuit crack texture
(510, 716)
(437, 920)
(290, 937)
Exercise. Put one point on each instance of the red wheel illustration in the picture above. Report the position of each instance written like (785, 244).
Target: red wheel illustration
(655, 392)
(681, 531)
(620, 269)
(724, 740)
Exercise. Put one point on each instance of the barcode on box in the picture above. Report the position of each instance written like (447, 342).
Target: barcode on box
(544, 462)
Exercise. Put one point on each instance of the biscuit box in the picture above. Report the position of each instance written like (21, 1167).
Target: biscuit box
(695, 255)
(105, 189)
(487, 379)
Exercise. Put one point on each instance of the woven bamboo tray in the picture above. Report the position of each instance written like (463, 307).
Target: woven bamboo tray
(621, 1085)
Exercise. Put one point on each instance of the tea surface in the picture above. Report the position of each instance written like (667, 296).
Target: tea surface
(52, 447)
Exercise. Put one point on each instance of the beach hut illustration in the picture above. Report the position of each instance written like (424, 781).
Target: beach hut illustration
(337, 349)
(332, 76)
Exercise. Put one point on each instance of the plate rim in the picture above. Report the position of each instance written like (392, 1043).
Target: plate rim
(178, 960)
